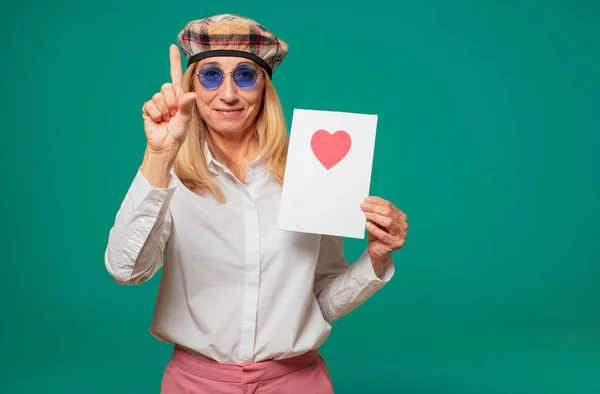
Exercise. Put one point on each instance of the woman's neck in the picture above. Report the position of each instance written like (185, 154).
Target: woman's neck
(240, 149)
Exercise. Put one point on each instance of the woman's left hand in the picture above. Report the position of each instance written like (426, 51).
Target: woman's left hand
(387, 227)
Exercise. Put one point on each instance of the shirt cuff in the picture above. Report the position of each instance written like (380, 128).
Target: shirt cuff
(363, 268)
(148, 199)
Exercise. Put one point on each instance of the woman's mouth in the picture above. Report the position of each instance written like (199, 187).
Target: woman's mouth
(229, 112)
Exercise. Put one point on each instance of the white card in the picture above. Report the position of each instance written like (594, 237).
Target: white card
(328, 173)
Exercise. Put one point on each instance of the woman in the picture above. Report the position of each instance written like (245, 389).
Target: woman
(245, 304)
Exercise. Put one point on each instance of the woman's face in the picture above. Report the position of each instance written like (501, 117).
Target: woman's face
(225, 106)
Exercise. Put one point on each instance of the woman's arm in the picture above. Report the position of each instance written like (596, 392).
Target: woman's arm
(340, 287)
(142, 226)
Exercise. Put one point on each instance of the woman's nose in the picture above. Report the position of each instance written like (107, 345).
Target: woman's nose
(228, 88)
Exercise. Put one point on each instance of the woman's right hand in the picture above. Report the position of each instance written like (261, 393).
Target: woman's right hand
(168, 114)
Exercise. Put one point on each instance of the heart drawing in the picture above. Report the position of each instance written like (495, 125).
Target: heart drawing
(330, 149)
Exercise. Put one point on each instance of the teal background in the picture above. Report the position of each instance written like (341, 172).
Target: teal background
(488, 139)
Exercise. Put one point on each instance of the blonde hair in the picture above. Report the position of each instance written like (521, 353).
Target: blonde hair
(270, 132)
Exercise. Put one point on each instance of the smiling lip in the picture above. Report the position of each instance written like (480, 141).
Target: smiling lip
(229, 111)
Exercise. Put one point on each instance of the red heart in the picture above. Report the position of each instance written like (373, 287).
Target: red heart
(330, 149)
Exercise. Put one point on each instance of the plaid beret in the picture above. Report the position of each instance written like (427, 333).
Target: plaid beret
(232, 35)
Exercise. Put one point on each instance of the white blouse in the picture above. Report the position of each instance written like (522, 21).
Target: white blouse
(233, 287)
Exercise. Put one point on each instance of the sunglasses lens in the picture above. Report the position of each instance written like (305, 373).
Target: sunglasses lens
(210, 77)
(245, 76)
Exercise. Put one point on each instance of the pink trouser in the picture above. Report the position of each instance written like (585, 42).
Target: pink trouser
(189, 374)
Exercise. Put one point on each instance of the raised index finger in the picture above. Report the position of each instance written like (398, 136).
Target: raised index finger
(176, 73)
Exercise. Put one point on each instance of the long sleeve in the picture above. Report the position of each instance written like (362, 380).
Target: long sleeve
(142, 226)
(340, 287)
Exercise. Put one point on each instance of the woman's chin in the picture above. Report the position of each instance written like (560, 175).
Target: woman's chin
(230, 127)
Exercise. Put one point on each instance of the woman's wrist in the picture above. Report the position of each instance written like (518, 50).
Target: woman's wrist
(156, 167)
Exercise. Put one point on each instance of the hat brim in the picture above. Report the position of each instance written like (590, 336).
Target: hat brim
(231, 53)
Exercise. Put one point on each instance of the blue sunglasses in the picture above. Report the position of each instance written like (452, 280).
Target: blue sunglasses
(211, 76)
